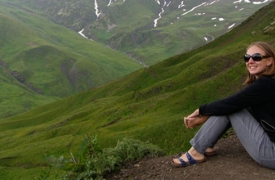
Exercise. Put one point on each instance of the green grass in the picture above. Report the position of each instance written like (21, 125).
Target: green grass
(50, 61)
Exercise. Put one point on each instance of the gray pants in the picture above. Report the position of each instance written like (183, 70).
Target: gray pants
(252, 136)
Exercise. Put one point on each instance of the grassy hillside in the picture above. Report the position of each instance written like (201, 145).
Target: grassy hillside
(50, 61)
(16, 98)
(148, 104)
(130, 26)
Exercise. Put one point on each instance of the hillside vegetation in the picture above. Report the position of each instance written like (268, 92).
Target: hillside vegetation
(41, 61)
(147, 30)
(148, 104)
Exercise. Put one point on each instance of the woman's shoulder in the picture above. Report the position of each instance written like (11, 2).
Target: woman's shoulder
(265, 81)
(266, 78)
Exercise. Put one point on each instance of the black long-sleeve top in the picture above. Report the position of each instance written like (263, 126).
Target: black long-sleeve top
(258, 96)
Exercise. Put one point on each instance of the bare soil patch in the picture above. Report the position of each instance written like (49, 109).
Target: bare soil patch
(232, 162)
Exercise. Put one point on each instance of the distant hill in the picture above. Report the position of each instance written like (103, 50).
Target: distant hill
(147, 30)
(41, 61)
(58, 48)
(148, 104)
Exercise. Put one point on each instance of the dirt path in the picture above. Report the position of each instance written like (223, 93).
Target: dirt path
(232, 162)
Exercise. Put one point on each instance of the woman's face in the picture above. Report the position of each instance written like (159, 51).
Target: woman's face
(257, 67)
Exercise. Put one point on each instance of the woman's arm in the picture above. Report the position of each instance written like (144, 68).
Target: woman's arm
(259, 92)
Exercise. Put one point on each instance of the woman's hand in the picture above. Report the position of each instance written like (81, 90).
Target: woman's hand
(191, 122)
(194, 119)
(196, 113)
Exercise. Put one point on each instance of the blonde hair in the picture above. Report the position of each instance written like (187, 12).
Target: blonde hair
(270, 52)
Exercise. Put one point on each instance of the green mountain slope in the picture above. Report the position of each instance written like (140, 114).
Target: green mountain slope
(50, 60)
(16, 98)
(147, 30)
(148, 104)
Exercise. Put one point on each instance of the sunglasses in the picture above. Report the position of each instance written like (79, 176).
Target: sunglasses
(255, 57)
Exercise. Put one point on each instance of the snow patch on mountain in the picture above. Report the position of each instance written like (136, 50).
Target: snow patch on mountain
(193, 8)
(181, 5)
(254, 2)
(111, 2)
(231, 26)
(83, 35)
(158, 1)
(260, 2)
(162, 11)
(97, 13)
(156, 20)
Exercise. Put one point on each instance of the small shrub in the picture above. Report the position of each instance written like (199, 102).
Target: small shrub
(95, 162)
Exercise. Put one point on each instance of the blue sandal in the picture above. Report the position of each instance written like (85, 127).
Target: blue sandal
(207, 154)
(190, 161)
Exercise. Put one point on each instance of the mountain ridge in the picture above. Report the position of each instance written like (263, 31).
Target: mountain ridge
(148, 30)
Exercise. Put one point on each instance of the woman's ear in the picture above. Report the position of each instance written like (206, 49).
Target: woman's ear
(269, 61)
